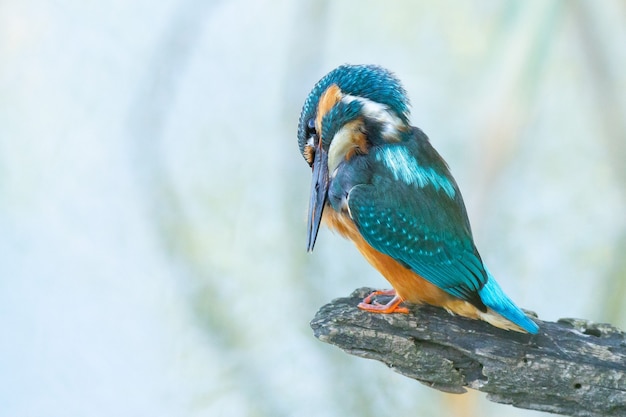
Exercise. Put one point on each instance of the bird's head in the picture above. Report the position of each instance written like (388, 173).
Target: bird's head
(349, 110)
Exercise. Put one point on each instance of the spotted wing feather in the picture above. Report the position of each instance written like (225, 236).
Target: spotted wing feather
(422, 225)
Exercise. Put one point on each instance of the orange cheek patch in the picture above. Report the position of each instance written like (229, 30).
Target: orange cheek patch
(329, 98)
(358, 138)
(309, 154)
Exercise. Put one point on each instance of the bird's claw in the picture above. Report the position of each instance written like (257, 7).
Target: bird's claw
(373, 306)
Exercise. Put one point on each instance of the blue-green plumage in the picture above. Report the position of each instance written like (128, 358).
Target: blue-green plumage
(404, 167)
(419, 223)
(393, 185)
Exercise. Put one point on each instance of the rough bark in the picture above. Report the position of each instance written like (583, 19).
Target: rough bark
(571, 367)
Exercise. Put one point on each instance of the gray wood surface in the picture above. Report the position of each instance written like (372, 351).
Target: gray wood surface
(571, 367)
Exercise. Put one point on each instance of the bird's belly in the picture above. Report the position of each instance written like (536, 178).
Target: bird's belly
(408, 285)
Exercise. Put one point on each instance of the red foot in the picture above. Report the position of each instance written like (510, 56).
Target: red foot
(373, 306)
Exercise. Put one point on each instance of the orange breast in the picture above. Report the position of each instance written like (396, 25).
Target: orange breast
(408, 285)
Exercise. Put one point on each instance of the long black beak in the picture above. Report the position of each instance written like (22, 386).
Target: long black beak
(319, 193)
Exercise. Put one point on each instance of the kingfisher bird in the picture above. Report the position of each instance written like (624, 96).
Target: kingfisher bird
(379, 182)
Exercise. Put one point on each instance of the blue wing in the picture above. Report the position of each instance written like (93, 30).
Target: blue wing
(410, 208)
(406, 204)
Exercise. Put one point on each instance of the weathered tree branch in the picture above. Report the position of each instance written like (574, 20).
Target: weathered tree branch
(572, 367)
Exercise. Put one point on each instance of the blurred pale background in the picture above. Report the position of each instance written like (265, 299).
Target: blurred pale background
(153, 200)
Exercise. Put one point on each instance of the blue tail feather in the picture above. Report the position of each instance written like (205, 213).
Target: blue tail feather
(493, 297)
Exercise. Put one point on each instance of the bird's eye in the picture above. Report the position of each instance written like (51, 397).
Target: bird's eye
(310, 127)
